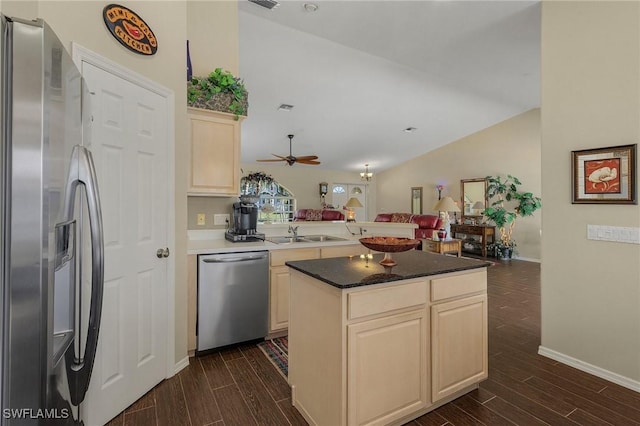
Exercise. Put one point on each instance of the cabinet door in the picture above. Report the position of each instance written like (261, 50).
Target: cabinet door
(387, 368)
(279, 299)
(343, 251)
(279, 284)
(458, 344)
(215, 153)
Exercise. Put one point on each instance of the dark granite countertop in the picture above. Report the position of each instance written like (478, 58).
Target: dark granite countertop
(347, 272)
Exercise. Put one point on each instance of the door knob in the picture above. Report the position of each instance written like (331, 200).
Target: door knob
(162, 252)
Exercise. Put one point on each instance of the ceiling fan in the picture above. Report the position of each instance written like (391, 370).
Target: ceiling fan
(290, 159)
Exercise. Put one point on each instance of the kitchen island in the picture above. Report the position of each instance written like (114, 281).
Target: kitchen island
(370, 347)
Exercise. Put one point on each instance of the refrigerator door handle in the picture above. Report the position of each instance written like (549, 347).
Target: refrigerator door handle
(79, 368)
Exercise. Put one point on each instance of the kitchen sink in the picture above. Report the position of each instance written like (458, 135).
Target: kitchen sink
(323, 238)
(303, 239)
(287, 240)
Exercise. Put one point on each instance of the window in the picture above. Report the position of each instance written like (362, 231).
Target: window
(276, 204)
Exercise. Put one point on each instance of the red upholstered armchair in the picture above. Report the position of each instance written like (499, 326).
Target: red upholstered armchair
(426, 223)
(317, 215)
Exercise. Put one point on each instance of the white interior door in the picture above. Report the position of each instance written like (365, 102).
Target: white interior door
(341, 192)
(129, 145)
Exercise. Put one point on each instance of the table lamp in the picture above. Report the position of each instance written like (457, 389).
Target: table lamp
(351, 203)
(444, 206)
(479, 205)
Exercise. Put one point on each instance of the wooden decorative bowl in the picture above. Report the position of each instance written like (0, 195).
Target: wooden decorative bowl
(389, 244)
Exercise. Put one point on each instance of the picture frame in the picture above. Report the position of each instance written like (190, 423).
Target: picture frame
(416, 200)
(604, 175)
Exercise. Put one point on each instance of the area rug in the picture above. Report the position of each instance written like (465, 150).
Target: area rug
(277, 351)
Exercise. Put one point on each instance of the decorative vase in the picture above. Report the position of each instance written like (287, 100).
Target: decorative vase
(442, 234)
(189, 69)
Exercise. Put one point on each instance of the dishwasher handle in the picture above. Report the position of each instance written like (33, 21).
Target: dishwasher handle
(233, 259)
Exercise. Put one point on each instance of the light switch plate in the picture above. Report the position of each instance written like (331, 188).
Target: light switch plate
(613, 233)
(220, 219)
(201, 219)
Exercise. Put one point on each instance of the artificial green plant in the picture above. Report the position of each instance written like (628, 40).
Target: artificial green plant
(506, 204)
(219, 82)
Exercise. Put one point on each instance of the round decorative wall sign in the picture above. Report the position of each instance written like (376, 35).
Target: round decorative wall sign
(129, 29)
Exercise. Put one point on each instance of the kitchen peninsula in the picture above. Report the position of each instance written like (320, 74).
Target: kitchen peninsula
(370, 347)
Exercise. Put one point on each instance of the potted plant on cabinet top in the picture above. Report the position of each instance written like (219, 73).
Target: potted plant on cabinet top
(506, 204)
(251, 186)
(219, 91)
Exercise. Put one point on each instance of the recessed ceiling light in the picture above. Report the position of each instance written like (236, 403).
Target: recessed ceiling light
(310, 7)
(410, 129)
(285, 107)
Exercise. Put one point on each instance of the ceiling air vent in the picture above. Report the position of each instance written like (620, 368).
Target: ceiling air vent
(269, 4)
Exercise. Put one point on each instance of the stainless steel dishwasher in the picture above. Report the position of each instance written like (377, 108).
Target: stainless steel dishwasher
(233, 298)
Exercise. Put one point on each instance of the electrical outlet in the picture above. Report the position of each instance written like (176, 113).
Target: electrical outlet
(220, 219)
(201, 219)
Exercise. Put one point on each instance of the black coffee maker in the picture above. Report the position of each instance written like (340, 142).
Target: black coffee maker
(245, 222)
(245, 218)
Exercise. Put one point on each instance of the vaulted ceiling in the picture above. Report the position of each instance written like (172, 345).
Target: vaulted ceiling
(358, 73)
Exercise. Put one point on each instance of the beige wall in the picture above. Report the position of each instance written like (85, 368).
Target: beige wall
(215, 45)
(20, 9)
(213, 36)
(301, 180)
(509, 147)
(82, 23)
(590, 99)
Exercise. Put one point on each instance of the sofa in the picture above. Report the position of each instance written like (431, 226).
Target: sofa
(317, 215)
(426, 223)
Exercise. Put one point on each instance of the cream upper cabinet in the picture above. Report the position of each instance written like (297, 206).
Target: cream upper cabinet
(214, 141)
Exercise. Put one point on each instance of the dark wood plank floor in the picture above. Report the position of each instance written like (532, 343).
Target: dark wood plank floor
(241, 387)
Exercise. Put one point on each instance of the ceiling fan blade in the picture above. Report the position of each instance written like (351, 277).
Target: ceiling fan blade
(291, 160)
(270, 160)
(311, 162)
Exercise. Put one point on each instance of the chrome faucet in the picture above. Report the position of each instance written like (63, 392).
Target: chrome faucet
(293, 230)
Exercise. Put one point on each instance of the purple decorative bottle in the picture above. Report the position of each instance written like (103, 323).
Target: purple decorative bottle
(189, 70)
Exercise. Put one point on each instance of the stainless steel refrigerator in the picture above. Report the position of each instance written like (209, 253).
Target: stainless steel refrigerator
(51, 258)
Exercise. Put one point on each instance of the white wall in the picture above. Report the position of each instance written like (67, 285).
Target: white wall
(590, 99)
(510, 147)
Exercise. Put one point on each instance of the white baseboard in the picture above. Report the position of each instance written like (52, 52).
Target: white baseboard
(180, 365)
(591, 369)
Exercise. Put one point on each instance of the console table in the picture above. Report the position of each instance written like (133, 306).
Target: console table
(485, 232)
(442, 246)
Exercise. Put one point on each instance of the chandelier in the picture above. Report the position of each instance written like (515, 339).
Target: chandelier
(366, 175)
